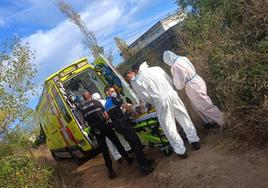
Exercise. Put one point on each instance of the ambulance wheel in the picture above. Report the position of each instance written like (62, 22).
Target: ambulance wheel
(167, 151)
(77, 160)
(56, 158)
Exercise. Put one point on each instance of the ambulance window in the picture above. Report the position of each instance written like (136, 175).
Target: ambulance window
(96, 82)
(85, 81)
(61, 106)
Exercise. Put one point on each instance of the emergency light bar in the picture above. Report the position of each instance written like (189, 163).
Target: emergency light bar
(69, 70)
(79, 65)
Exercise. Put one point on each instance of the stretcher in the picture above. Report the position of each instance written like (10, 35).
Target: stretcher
(148, 129)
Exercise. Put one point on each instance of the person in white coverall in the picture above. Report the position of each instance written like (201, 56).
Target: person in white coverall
(153, 85)
(184, 75)
(116, 155)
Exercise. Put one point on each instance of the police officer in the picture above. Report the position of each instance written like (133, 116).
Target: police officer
(122, 125)
(96, 117)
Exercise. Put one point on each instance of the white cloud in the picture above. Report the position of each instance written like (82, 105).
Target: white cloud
(62, 44)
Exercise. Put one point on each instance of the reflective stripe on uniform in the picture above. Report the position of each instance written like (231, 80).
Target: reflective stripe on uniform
(92, 111)
(87, 106)
(114, 106)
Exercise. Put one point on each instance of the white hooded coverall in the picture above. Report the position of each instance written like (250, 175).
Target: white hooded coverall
(153, 85)
(184, 75)
(116, 155)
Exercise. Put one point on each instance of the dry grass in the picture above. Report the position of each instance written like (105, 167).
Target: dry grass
(63, 173)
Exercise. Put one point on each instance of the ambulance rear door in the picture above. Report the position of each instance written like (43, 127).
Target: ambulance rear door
(113, 78)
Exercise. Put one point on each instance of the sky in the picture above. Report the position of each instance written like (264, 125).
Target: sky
(58, 42)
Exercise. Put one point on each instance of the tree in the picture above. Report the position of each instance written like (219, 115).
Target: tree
(16, 82)
(126, 52)
(183, 4)
(90, 38)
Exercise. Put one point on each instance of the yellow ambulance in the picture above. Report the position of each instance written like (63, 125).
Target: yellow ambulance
(66, 133)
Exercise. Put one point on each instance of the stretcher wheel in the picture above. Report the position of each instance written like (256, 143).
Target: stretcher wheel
(167, 150)
(151, 144)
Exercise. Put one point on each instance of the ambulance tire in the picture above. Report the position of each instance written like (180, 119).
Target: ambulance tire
(56, 158)
(77, 160)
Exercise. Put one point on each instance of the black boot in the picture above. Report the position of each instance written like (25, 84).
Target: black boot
(150, 162)
(130, 151)
(112, 174)
(120, 160)
(183, 156)
(211, 126)
(196, 145)
(146, 169)
(129, 160)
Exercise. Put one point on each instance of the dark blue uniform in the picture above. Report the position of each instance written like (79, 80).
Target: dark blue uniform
(123, 126)
(93, 113)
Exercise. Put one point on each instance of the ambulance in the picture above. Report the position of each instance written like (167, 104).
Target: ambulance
(66, 133)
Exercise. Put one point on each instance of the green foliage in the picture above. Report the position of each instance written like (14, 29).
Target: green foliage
(14, 143)
(125, 51)
(262, 47)
(16, 82)
(227, 41)
(184, 3)
(18, 166)
(6, 149)
(22, 171)
(17, 137)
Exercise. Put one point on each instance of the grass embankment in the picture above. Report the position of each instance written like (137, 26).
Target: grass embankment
(228, 42)
(23, 164)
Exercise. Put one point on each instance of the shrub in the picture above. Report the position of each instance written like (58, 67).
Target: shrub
(227, 42)
(22, 171)
(14, 143)
(6, 150)
(18, 167)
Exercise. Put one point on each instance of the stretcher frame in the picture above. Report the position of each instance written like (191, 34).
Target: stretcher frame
(151, 134)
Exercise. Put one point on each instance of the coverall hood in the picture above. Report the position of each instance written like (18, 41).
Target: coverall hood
(169, 57)
(96, 96)
(143, 66)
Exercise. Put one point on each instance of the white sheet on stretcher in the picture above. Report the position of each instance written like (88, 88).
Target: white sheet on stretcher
(145, 117)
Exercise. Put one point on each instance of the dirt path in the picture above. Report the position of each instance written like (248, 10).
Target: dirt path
(216, 164)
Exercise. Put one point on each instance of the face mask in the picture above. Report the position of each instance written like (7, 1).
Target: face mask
(134, 78)
(114, 94)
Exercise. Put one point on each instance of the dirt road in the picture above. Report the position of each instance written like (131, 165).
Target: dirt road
(220, 162)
